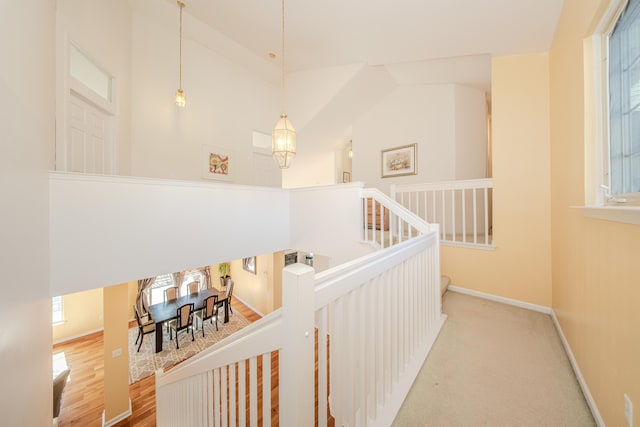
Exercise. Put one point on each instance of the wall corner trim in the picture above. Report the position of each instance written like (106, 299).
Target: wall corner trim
(504, 300)
(576, 369)
(117, 418)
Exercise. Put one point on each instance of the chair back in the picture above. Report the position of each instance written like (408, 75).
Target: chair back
(194, 287)
(210, 305)
(229, 291)
(184, 315)
(171, 293)
(138, 319)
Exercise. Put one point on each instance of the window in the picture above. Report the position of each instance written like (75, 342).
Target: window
(57, 310)
(156, 292)
(191, 276)
(624, 105)
(611, 121)
(164, 281)
(82, 68)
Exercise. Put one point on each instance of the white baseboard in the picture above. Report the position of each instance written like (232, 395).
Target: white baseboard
(249, 305)
(117, 418)
(504, 300)
(576, 370)
(73, 337)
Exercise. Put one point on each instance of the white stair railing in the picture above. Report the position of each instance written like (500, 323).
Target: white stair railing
(386, 223)
(461, 208)
(374, 320)
(377, 319)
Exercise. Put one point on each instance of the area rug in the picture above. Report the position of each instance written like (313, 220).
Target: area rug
(146, 362)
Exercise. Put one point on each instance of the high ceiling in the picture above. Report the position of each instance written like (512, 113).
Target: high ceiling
(336, 32)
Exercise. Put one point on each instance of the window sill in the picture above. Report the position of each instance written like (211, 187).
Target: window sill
(626, 214)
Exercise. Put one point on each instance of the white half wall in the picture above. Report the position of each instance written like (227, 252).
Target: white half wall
(327, 220)
(109, 230)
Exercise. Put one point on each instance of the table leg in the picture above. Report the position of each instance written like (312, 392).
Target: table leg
(226, 311)
(159, 336)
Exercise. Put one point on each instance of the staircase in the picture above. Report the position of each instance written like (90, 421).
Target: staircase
(380, 313)
(444, 284)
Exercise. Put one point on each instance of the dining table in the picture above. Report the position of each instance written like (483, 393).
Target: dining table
(165, 311)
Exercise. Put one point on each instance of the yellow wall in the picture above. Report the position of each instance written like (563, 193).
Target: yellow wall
(595, 276)
(116, 366)
(83, 312)
(257, 290)
(520, 266)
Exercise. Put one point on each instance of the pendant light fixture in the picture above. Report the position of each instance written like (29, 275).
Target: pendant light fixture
(181, 98)
(283, 139)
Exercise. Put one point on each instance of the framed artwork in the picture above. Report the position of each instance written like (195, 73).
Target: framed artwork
(399, 161)
(217, 163)
(249, 264)
(346, 176)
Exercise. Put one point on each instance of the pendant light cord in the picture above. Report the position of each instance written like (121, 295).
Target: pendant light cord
(180, 69)
(282, 83)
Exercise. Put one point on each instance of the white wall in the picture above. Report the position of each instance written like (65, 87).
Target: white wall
(309, 92)
(331, 126)
(411, 114)
(102, 29)
(27, 81)
(327, 221)
(471, 132)
(226, 101)
(446, 121)
(109, 230)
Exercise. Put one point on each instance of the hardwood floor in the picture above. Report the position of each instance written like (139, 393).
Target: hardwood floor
(83, 398)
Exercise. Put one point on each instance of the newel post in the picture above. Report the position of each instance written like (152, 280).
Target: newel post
(296, 358)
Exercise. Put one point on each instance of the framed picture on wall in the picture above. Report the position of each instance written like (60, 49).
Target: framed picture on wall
(249, 264)
(217, 163)
(399, 161)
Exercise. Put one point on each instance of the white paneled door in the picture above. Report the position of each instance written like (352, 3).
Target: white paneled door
(88, 146)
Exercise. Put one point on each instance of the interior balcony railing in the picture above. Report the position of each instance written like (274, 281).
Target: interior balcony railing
(344, 348)
(461, 208)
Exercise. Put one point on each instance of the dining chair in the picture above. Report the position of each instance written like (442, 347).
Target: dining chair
(146, 325)
(182, 322)
(228, 294)
(171, 293)
(194, 287)
(208, 312)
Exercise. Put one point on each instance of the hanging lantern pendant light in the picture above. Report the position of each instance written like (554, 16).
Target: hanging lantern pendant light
(181, 98)
(283, 139)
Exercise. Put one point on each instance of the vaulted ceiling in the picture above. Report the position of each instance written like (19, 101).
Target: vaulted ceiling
(374, 32)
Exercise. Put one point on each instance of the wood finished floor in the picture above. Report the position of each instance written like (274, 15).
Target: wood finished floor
(83, 398)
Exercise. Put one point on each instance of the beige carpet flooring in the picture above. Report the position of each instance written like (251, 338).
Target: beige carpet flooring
(495, 365)
(147, 361)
